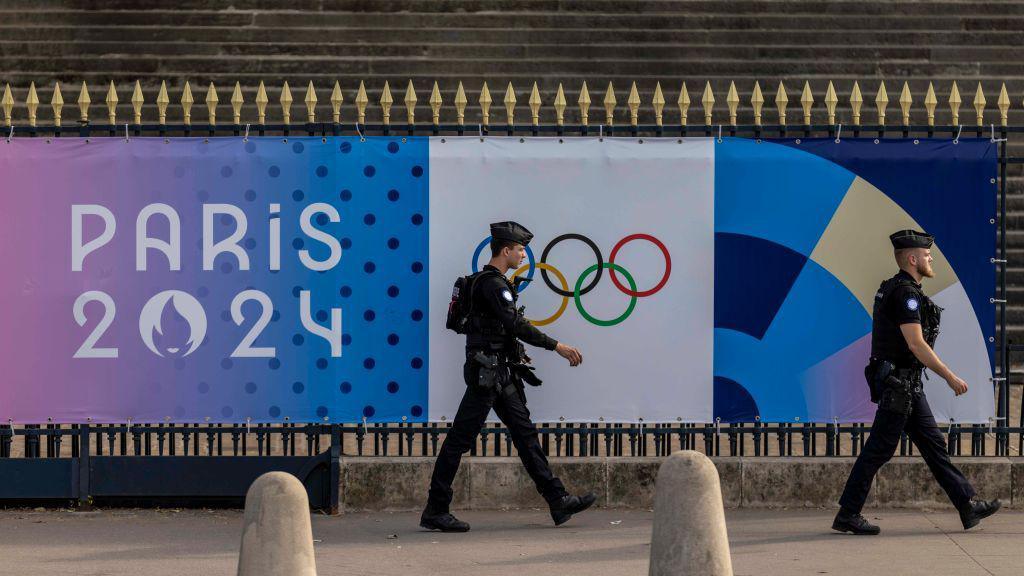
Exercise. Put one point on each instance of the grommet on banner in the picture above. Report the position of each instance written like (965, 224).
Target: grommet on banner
(959, 129)
(839, 130)
(994, 139)
(361, 137)
(246, 137)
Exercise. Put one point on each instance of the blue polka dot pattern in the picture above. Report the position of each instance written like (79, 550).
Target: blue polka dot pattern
(379, 189)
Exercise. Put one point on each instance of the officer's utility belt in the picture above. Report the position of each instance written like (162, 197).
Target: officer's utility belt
(893, 388)
(497, 371)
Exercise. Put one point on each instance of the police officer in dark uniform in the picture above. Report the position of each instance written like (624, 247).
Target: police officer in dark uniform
(495, 369)
(904, 327)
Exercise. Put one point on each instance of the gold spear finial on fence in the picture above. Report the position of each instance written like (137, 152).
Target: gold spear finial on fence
(954, 104)
(560, 106)
(336, 99)
(211, 104)
(708, 100)
(310, 101)
(186, 104)
(930, 102)
(830, 102)
(684, 104)
(485, 105)
(56, 103)
(386, 100)
(8, 103)
(658, 102)
(633, 102)
(609, 105)
(286, 103)
(906, 100)
(1004, 105)
(461, 101)
(162, 100)
(410, 103)
(757, 102)
(112, 104)
(806, 102)
(584, 104)
(261, 104)
(236, 104)
(535, 105)
(979, 105)
(32, 103)
(881, 101)
(781, 99)
(137, 100)
(732, 100)
(435, 104)
(510, 104)
(362, 100)
(856, 101)
(83, 103)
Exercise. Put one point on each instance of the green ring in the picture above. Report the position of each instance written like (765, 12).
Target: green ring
(579, 304)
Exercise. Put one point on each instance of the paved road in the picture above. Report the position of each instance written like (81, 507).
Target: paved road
(600, 542)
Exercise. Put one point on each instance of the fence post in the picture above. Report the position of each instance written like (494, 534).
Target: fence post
(84, 496)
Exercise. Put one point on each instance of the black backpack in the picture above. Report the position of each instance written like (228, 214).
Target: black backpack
(461, 306)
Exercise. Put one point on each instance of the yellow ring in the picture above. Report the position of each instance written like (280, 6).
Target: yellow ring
(565, 288)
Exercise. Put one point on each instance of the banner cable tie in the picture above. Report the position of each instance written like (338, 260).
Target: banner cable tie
(246, 137)
(126, 139)
(719, 133)
(959, 129)
(839, 131)
(994, 139)
(480, 131)
(600, 132)
(361, 138)
(11, 135)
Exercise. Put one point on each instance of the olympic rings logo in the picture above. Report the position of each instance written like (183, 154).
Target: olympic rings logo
(597, 270)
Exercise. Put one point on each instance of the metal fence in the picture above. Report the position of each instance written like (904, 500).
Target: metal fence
(999, 438)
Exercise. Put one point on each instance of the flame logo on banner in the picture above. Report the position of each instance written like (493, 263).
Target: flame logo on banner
(187, 309)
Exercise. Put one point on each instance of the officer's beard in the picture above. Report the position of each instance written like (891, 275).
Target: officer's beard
(925, 269)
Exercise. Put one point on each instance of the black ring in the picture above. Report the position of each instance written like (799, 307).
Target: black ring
(588, 242)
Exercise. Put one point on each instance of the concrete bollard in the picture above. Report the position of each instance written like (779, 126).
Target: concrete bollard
(689, 534)
(277, 538)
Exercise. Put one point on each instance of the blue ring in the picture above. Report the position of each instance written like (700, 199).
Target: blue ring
(529, 256)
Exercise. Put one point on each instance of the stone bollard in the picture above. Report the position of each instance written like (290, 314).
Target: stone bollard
(277, 538)
(689, 534)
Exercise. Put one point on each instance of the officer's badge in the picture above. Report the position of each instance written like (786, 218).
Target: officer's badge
(508, 296)
(912, 304)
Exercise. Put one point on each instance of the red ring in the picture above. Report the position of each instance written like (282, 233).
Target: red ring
(664, 252)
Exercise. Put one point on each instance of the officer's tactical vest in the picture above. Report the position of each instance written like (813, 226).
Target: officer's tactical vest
(888, 329)
(483, 330)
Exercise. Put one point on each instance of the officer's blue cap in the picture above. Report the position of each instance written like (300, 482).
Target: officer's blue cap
(911, 239)
(511, 231)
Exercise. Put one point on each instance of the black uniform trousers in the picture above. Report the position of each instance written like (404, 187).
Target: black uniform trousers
(510, 406)
(881, 445)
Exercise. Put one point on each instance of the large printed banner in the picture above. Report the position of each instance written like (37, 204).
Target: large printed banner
(307, 279)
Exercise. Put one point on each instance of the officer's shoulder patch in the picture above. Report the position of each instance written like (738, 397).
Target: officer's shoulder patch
(912, 304)
(506, 295)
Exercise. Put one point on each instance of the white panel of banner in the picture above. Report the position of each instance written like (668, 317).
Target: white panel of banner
(656, 365)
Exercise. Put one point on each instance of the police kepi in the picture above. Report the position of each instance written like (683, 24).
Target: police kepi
(483, 308)
(905, 325)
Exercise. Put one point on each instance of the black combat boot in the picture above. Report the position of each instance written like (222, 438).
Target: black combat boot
(444, 522)
(564, 508)
(975, 510)
(854, 524)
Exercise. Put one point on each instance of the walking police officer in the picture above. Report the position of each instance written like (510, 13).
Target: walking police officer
(495, 368)
(904, 327)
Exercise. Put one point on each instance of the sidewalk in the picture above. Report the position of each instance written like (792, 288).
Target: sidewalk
(599, 542)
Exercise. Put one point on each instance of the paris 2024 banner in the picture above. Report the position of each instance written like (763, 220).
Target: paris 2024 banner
(307, 279)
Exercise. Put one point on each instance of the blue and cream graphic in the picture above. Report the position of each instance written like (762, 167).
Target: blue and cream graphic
(307, 279)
